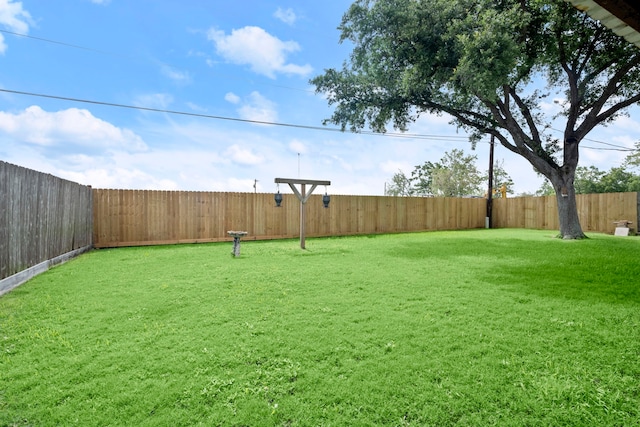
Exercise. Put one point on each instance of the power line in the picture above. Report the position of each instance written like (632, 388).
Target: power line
(75, 46)
(104, 52)
(260, 122)
(449, 138)
(621, 147)
(607, 149)
(390, 134)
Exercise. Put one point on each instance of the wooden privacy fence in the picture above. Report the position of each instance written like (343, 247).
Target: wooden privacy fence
(597, 212)
(41, 218)
(139, 217)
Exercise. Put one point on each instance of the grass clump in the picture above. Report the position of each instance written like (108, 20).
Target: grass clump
(485, 327)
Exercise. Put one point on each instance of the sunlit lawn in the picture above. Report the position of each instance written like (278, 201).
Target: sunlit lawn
(485, 327)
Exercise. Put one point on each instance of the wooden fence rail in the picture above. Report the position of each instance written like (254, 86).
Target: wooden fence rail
(41, 218)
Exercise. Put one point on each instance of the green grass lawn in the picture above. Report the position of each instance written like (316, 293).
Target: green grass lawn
(470, 328)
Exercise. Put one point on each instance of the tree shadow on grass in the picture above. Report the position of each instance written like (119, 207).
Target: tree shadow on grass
(595, 270)
(550, 280)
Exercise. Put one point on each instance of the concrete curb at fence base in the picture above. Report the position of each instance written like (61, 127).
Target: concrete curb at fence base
(12, 282)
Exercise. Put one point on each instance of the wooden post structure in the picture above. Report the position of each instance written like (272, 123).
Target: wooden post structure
(303, 196)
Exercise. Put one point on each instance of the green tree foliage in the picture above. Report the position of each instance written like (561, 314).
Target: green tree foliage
(456, 175)
(633, 160)
(422, 178)
(400, 185)
(476, 60)
(546, 189)
(500, 177)
(619, 180)
(590, 180)
(587, 180)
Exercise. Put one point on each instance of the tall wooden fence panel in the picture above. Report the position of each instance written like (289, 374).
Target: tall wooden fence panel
(136, 217)
(132, 217)
(597, 212)
(41, 218)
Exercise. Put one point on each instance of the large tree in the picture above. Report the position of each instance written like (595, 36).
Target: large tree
(488, 64)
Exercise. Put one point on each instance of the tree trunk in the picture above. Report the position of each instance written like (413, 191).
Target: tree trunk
(568, 219)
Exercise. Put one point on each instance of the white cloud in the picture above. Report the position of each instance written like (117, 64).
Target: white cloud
(102, 2)
(13, 17)
(175, 75)
(119, 178)
(392, 167)
(626, 123)
(253, 46)
(257, 107)
(71, 126)
(153, 100)
(287, 16)
(298, 146)
(242, 155)
(196, 107)
(232, 98)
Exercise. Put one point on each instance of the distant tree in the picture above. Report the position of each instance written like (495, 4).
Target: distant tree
(500, 177)
(422, 178)
(456, 175)
(633, 160)
(588, 180)
(619, 180)
(400, 185)
(546, 189)
(480, 62)
(526, 194)
(591, 180)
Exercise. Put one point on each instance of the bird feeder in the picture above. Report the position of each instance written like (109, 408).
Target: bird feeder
(278, 198)
(325, 200)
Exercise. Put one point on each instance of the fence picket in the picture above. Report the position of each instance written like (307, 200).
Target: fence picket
(41, 218)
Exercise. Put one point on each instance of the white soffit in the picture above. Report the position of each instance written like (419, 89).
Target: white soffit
(608, 19)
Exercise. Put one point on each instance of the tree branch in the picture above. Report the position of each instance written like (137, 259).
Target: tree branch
(595, 116)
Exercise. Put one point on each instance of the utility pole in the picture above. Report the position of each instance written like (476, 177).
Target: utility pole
(488, 220)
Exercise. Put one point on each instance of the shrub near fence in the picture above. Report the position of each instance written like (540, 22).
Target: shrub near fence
(42, 218)
(137, 217)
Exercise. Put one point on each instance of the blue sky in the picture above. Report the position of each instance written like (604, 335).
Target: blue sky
(248, 60)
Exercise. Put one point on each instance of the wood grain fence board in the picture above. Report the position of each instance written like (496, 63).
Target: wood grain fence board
(205, 216)
(42, 217)
(597, 212)
(5, 203)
